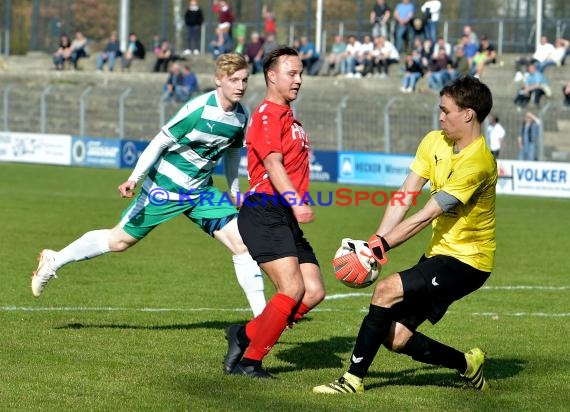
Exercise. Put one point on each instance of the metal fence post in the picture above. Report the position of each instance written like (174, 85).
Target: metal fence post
(43, 108)
(541, 131)
(387, 133)
(82, 110)
(161, 109)
(6, 101)
(340, 124)
(122, 99)
(435, 119)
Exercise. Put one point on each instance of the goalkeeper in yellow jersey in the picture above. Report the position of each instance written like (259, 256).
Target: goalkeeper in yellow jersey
(459, 258)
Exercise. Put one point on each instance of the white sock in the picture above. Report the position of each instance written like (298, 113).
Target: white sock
(251, 281)
(90, 245)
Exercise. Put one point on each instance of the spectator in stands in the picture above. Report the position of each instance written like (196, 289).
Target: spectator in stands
(431, 11)
(78, 48)
(426, 53)
(379, 18)
(189, 83)
(495, 135)
(309, 56)
(173, 82)
(473, 38)
(348, 62)
(441, 44)
(163, 57)
(413, 71)
(486, 55)
(253, 52)
(460, 63)
(438, 71)
(269, 44)
(225, 16)
(385, 54)
(135, 50)
(558, 55)
(63, 52)
(543, 50)
(193, 18)
(470, 49)
(566, 94)
(404, 14)
(222, 42)
(528, 137)
(365, 57)
(335, 56)
(269, 20)
(535, 86)
(110, 53)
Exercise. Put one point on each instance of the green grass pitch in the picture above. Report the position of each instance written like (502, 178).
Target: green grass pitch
(143, 330)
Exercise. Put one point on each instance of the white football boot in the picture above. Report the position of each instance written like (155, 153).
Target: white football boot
(44, 272)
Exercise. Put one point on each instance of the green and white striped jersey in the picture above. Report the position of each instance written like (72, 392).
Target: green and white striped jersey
(202, 131)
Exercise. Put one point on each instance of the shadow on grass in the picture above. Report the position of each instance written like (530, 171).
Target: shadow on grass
(199, 325)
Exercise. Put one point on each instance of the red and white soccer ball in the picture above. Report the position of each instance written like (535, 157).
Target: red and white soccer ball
(354, 265)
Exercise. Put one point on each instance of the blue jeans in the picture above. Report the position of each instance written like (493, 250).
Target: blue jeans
(528, 152)
(410, 79)
(430, 30)
(106, 58)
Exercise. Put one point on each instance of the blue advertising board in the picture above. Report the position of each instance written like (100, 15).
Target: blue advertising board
(95, 152)
(130, 152)
(379, 169)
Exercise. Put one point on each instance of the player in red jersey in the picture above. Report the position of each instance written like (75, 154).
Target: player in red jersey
(278, 166)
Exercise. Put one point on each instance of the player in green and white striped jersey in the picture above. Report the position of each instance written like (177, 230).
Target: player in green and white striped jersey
(178, 165)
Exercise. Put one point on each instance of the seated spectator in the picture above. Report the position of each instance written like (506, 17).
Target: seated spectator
(79, 48)
(309, 56)
(426, 53)
(189, 84)
(110, 53)
(269, 44)
(135, 50)
(566, 94)
(338, 49)
(240, 45)
(348, 61)
(438, 71)
(558, 55)
(63, 52)
(535, 86)
(460, 64)
(543, 50)
(470, 49)
(384, 55)
(441, 44)
(163, 57)
(173, 82)
(222, 42)
(486, 55)
(412, 72)
(365, 57)
(253, 52)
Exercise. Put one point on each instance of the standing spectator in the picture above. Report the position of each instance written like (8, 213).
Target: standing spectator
(135, 50)
(225, 16)
(78, 48)
(404, 14)
(309, 57)
(63, 52)
(535, 86)
(269, 19)
(462, 175)
(110, 53)
(528, 137)
(253, 52)
(193, 18)
(379, 18)
(180, 160)
(566, 94)
(431, 11)
(495, 135)
(278, 168)
(334, 58)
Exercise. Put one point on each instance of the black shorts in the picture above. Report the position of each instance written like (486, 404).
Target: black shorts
(432, 285)
(270, 231)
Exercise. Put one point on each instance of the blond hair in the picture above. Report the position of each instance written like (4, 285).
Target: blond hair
(229, 63)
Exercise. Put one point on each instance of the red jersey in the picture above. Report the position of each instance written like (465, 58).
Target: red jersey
(274, 129)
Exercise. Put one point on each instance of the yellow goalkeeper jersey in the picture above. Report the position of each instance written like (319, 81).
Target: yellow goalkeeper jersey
(466, 232)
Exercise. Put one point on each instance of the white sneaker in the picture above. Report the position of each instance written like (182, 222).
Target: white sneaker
(44, 272)
(518, 77)
(196, 52)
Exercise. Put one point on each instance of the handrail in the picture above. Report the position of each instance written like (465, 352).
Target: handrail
(387, 133)
(340, 123)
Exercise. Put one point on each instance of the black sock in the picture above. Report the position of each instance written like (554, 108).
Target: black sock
(373, 331)
(426, 350)
(249, 362)
(242, 337)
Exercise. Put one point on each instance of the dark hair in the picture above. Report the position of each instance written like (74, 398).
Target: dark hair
(271, 59)
(469, 93)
